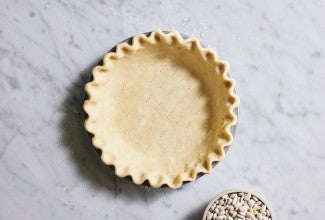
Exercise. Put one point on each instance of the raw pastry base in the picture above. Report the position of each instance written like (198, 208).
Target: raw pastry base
(161, 109)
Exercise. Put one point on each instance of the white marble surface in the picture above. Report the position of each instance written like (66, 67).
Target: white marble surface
(48, 169)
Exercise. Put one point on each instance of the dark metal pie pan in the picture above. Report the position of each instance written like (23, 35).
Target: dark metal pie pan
(146, 183)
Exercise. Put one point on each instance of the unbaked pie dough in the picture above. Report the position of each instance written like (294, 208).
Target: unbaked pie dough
(161, 108)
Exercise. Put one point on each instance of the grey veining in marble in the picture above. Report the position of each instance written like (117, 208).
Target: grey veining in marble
(48, 170)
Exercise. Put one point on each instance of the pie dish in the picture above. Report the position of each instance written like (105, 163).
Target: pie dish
(161, 108)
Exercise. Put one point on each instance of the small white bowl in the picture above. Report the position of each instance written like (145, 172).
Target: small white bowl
(236, 191)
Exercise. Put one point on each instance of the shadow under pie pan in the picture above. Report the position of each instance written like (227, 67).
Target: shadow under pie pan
(142, 121)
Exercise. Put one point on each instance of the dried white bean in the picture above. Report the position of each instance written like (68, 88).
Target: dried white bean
(242, 208)
(230, 208)
(259, 216)
(250, 215)
(267, 213)
(221, 208)
(242, 213)
(233, 195)
(240, 216)
(234, 201)
(209, 216)
(256, 207)
(251, 203)
(247, 197)
(237, 205)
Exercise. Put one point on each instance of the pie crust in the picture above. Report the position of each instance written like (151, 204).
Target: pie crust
(161, 108)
